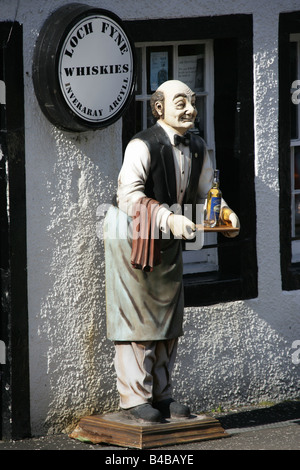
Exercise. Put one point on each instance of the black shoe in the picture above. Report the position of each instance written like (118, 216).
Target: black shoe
(144, 412)
(171, 408)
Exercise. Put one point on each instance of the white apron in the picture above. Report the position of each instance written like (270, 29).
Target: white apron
(141, 306)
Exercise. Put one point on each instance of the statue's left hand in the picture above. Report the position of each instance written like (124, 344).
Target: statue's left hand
(235, 223)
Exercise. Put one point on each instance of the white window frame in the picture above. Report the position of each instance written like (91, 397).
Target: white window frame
(206, 259)
(295, 143)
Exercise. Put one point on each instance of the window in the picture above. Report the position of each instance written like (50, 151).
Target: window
(214, 53)
(295, 147)
(289, 148)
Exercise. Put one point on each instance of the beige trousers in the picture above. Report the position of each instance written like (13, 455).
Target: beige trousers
(144, 371)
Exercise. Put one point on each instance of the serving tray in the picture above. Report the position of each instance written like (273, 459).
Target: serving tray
(218, 228)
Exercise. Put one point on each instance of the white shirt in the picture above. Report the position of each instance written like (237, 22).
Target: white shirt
(136, 167)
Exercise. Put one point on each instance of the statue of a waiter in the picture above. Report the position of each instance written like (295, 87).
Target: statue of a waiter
(165, 167)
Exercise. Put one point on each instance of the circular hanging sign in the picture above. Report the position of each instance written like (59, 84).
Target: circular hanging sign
(83, 68)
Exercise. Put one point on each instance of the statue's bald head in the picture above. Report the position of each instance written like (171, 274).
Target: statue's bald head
(170, 87)
(174, 103)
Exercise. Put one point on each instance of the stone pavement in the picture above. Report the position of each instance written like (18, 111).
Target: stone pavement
(275, 427)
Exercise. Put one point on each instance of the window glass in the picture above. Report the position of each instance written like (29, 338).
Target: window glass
(191, 66)
(139, 62)
(201, 116)
(159, 66)
(297, 168)
(297, 215)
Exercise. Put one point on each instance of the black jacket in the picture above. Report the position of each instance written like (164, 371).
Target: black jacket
(161, 182)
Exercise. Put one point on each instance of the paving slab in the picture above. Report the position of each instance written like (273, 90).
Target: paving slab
(275, 427)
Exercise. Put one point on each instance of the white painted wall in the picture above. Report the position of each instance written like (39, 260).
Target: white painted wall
(232, 353)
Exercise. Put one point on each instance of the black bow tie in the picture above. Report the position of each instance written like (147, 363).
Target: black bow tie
(178, 139)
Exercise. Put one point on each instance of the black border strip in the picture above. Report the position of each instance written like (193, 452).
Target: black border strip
(15, 416)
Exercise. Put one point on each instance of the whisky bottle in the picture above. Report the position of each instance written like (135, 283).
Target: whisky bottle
(214, 197)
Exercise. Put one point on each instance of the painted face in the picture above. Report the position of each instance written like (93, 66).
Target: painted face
(179, 111)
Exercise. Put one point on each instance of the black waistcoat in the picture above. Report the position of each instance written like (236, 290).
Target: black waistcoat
(161, 182)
